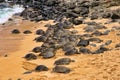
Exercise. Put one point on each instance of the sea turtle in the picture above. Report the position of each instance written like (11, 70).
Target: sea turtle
(41, 68)
(61, 69)
(27, 32)
(40, 32)
(30, 56)
(15, 31)
(63, 61)
(36, 49)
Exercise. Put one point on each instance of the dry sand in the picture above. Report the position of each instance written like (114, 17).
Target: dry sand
(103, 66)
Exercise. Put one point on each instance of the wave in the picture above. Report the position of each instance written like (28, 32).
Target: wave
(8, 12)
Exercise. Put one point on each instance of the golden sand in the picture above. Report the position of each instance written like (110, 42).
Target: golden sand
(103, 66)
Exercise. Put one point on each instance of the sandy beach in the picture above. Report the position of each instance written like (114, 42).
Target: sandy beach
(104, 66)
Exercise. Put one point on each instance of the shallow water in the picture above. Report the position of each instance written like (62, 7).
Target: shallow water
(8, 12)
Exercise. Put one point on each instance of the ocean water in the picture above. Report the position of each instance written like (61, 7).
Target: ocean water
(8, 12)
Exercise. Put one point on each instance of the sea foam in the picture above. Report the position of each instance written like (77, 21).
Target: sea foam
(8, 12)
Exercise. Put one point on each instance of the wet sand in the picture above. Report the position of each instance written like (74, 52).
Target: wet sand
(103, 66)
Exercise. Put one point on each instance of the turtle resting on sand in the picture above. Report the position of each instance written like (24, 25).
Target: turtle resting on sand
(63, 61)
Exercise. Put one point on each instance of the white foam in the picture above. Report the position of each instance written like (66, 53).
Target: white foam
(7, 13)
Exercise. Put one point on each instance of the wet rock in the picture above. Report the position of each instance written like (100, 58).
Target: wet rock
(84, 50)
(63, 61)
(41, 68)
(83, 42)
(36, 49)
(61, 69)
(108, 42)
(30, 56)
(40, 32)
(27, 32)
(15, 31)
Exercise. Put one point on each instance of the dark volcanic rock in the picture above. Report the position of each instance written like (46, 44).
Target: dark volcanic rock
(30, 56)
(15, 31)
(61, 69)
(83, 42)
(63, 61)
(41, 68)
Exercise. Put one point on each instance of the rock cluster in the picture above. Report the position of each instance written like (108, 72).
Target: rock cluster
(59, 9)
